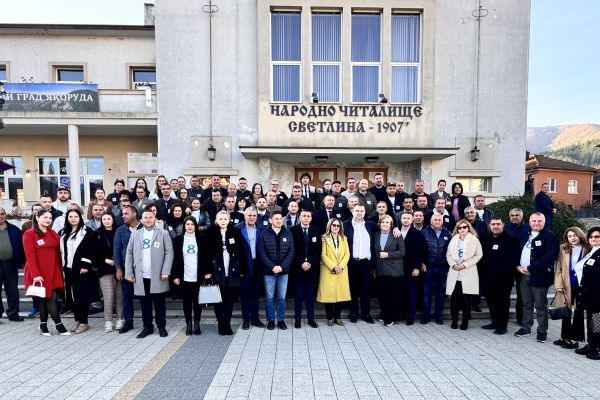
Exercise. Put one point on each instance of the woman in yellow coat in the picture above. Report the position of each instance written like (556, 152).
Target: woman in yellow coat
(334, 286)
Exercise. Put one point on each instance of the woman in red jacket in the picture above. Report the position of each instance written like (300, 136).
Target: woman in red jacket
(42, 250)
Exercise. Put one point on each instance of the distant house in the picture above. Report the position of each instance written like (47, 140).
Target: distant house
(569, 182)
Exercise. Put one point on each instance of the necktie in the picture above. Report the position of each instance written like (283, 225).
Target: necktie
(328, 215)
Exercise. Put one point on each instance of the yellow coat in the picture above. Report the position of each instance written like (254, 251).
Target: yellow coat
(334, 288)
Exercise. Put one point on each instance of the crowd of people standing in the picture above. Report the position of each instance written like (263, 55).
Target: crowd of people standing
(333, 244)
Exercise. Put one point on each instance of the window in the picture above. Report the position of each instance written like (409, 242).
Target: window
(327, 56)
(11, 181)
(572, 186)
(55, 172)
(286, 57)
(69, 74)
(471, 185)
(2, 73)
(406, 56)
(366, 57)
(552, 184)
(140, 77)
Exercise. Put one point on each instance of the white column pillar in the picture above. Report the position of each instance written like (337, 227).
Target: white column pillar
(74, 163)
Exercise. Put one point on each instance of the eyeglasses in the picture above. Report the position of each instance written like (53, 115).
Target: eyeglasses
(463, 227)
(595, 237)
(338, 225)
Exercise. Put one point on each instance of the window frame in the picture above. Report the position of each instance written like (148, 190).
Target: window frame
(339, 63)
(366, 63)
(407, 64)
(83, 171)
(4, 66)
(552, 183)
(133, 84)
(467, 183)
(6, 179)
(569, 186)
(68, 67)
(273, 64)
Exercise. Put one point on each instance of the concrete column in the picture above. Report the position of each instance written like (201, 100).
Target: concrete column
(74, 163)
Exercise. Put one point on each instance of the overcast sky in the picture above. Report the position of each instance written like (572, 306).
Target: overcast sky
(564, 56)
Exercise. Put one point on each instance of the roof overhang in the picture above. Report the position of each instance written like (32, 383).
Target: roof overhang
(345, 155)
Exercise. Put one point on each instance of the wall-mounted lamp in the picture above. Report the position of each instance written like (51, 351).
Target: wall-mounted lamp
(212, 152)
(28, 172)
(371, 159)
(382, 98)
(314, 98)
(321, 158)
(475, 154)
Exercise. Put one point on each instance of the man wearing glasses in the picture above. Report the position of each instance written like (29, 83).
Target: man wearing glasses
(539, 251)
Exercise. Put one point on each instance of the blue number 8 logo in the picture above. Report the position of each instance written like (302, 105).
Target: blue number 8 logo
(146, 244)
(191, 249)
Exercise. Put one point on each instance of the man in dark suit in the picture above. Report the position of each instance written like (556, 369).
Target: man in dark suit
(545, 205)
(304, 203)
(252, 281)
(538, 254)
(440, 208)
(305, 267)
(414, 245)
(215, 183)
(165, 203)
(393, 200)
(360, 235)
(325, 213)
(500, 255)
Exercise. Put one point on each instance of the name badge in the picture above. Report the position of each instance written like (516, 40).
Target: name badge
(446, 219)
(231, 241)
(235, 221)
(284, 239)
(265, 222)
(156, 245)
(538, 242)
(314, 240)
(338, 215)
(398, 208)
(198, 195)
(495, 247)
(591, 261)
(369, 202)
(446, 238)
(340, 205)
(41, 242)
(281, 197)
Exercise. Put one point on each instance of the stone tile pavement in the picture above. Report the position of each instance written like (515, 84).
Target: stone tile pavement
(357, 361)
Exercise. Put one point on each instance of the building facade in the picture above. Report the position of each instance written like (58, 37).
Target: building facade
(410, 88)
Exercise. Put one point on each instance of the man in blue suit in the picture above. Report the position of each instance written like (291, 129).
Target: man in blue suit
(251, 283)
(545, 205)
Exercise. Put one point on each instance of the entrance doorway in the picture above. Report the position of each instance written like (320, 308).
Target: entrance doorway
(368, 173)
(318, 175)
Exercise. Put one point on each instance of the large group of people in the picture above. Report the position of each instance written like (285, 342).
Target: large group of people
(331, 244)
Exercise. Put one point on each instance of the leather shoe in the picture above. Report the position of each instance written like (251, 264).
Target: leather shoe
(17, 318)
(270, 325)
(297, 323)
(127, 326)
(454, 325)
(197, 330)
(188, 329)
(439, 321)
(570, 346)
(312, 323)
(488, 326)
(410, 321)
(281, 325)
(329, 322)
(594, 354)
(584, 350)
(464, 325)
(368, 319)
(500, 331)
(558, 342)
(257, 323)
(424, 321)
(338, 322)
(246, 325)
(227, 329)
(145, 332)
(353, 318)
(163, 332)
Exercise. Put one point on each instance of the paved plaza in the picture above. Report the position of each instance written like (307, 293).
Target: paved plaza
(357, 361)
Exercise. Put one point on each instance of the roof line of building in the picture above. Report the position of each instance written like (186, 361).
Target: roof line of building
(78, 26)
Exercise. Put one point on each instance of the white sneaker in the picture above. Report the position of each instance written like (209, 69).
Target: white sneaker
(108, 327)
(119, 324)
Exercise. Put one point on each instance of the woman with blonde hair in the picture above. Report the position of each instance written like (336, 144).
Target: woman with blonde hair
(464, 251)
(334, 286)
(572, 250)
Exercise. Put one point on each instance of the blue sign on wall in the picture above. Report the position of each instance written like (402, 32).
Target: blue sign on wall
(51, 97)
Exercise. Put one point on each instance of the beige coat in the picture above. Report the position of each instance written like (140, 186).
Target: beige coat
(472, 255)
(334, 288)
(562, 278)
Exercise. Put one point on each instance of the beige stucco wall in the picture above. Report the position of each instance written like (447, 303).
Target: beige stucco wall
(112, 149)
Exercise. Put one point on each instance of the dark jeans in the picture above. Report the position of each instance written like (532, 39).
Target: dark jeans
(304, 291)
(360, 286)
(127, 288)
(224, 309)
(80, 310)
(9, 278)
(572, 328)
(412, 284)
(538, 297)
(498, 300)
(434, 284)
(156, 299)
(333, 310)
(189, 292)
(249, 298)
(519, 303)
(390, 296)
(49, 306)
(460, 302)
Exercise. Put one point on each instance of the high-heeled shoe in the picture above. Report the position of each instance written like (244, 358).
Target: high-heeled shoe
(62, 331)
(44, 329)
